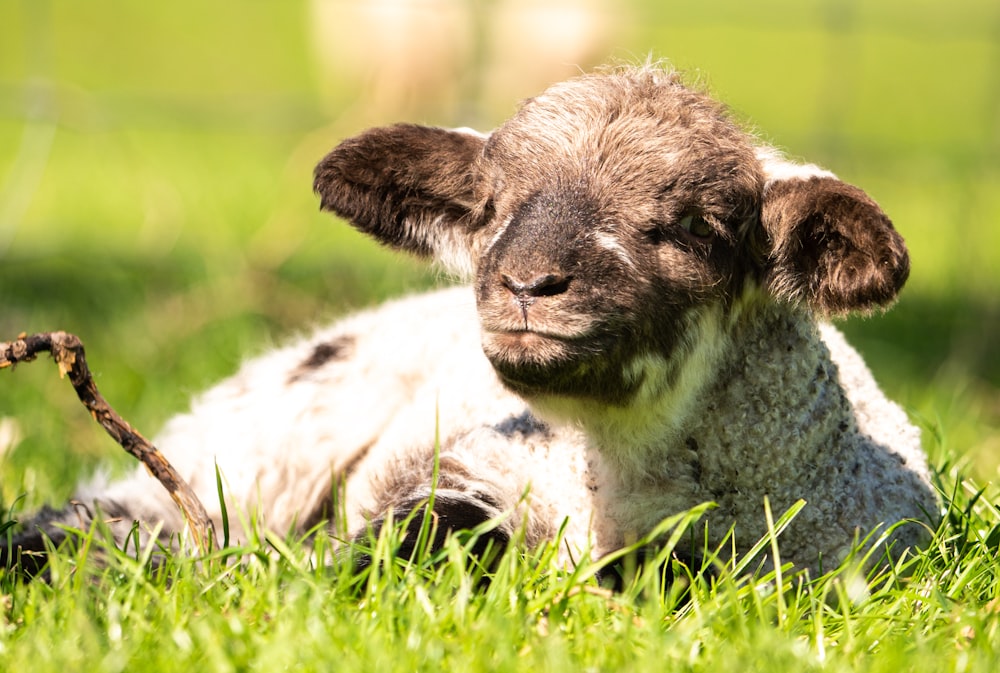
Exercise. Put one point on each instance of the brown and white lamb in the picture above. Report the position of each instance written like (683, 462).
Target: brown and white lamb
(643, 333)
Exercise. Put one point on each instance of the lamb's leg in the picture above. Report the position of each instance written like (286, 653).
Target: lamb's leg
(464, 494)
(449, 512)
(27, 550)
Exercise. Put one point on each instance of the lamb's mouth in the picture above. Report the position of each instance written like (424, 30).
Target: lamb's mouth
(527, 347)
(528, 361)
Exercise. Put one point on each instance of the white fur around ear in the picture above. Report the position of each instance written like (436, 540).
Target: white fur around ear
(778, 168)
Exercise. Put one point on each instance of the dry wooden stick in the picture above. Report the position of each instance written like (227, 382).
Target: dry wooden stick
(67, 351)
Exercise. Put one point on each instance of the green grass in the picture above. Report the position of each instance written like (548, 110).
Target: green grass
(155, 170)
(271, 605)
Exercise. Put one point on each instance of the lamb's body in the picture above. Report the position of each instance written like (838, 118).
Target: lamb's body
(363, 401)
(669, 344)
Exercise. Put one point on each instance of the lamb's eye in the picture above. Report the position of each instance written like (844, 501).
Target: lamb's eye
(696, 225)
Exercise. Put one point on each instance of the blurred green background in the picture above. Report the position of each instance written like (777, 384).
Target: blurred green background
(156, 158)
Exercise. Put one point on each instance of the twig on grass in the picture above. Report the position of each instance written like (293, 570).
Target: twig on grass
(67, 351)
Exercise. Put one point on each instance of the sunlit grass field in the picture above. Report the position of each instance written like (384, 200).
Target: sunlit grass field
(155, 199)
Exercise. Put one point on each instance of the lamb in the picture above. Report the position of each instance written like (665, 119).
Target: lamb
(644, 332)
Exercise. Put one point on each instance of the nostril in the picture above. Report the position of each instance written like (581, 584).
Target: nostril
(512, 284)
(546, 285)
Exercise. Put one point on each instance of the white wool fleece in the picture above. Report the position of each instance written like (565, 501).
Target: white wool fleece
(282, 437)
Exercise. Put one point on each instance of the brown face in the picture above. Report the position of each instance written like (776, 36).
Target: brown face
(612, 224)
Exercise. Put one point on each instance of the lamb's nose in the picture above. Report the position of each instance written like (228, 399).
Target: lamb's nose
(545, 285)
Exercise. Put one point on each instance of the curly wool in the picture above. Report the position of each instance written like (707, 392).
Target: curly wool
(774, 422)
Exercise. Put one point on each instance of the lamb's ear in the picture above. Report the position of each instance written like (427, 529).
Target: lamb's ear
(827, 243)
(410, 187)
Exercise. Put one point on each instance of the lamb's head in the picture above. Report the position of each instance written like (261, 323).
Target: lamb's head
(613, 226)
